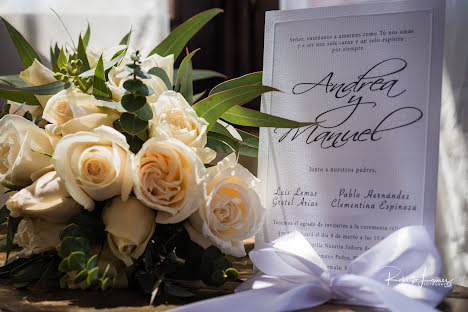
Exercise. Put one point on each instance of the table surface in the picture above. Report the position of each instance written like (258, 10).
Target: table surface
(124, 300)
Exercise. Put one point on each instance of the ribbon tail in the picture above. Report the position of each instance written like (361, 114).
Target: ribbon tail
(390, 298)
(277, 298)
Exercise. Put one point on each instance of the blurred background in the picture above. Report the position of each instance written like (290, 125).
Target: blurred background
(233, 44)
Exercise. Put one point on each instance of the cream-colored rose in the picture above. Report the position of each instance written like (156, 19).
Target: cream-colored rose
(117, 76)
(36, 75)
(71, 110)
(19, 138)
(95, 165)
(129, 227)
(94, 53)
(233, 211)
(173, 117)
(169, 177)
(36, 236)
(47, 198)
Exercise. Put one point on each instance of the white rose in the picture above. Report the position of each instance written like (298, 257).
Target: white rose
(129, 227)
(71, 110)
(94, 165)
(169, 177)
(36, 75)
(174, 117)
(36, 236)
(94, 53)
(233, 211)
(19, 138)
(47, 198)
(117, 76)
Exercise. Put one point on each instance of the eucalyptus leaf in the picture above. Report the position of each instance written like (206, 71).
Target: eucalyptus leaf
(184, 83)
(200, 74)
(132, 124)
(198, 96)
(13, 81)
(19, 97)
(99, 81)
(47, 89)
(92, 262)
(222, 143)
(132, 102)
(92, 276)
(248, 117)
(223, 127)
(249, 144)
(25, 50)
(178, 38)
(38, 119)
(81, 53)
(145, 113)
(249, 79)
(28, 115)
(212, 107)
(112, 105)
(77, 261)
(133, 85)
(161, 73)
(126, 39)
(71, 230)
(81, 276)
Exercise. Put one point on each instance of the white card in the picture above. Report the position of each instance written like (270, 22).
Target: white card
(371, 72)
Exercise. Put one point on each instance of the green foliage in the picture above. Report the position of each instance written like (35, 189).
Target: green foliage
(183, 83)
(161, 73)
(74, 250)
(19, 97)
(212, 107)
(25, 51)
(200, 74)
(133, 122)
(46, 89)
(13, 81)
(222, 143)
(81, 54)
(99, 81)
(178, 38)
(86, 36)
(246, 80)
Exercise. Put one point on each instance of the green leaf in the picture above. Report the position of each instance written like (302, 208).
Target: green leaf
(133, 85)
(132, 124)
(145, 90)
(47, 89)
(13, 81)
(232, 274)
(38, 119)
(92, 276)
(222, 143)
(11, 231)
(177, 291)
(62, 59)
(126, 39)
(184, 83)
(249, 79)
(107, 65)
(87, 35)
(26, 52)
(112, 105)
(19, 97)
(145, 113)
(212, 107)
(178, 38)
(198, 96)
(132, 103)
(249, 144)
(4, 213)
(81, 53)
(200, 74)
(92, 262)
(76, 261)
(161, 73)
(105, 283)
(28, 115)
(81, 276)
(63, 266)
(99, 82)
(248, 117)
(223, 127)
(67, 246)
(11, 186)
(71, 230)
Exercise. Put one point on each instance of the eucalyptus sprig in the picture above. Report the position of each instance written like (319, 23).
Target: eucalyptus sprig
(133, 123)
(70, 72)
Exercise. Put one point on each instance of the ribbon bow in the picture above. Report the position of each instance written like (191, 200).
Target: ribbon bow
(400, 273)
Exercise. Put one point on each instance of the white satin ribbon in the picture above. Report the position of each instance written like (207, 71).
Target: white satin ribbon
(401, 273)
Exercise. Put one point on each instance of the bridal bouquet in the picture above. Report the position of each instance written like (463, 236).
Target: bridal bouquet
(108, 160)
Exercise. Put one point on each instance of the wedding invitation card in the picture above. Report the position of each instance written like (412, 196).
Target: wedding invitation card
(370, 74)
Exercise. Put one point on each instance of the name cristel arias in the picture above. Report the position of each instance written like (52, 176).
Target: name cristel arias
(395, 272)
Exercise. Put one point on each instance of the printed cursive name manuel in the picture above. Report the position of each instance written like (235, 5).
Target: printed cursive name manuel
(332, 133)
